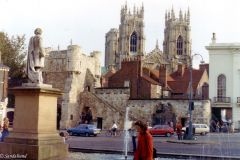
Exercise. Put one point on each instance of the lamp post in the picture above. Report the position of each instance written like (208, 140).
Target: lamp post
(191, 104)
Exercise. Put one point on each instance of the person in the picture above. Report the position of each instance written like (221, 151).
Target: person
(217, 127)
(5, 131)
(133, 134)
(171, 124)
(145, 143)
(64, 135)
(35, 58)
(114, 129)
(179, 130)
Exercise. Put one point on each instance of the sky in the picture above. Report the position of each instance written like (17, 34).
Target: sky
(86, 22)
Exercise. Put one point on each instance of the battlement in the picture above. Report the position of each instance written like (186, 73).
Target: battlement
(96, 54)
(170, 17)
(131, 59)
(137, 12)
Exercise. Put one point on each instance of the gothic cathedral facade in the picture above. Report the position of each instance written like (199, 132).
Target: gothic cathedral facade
(129, 39)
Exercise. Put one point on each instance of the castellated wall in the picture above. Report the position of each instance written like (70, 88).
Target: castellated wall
(72, 72)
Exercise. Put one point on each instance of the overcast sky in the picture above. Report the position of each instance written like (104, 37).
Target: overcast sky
(87, 21)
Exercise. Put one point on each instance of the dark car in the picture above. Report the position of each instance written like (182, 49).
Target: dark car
(162, 130)
(84, 129)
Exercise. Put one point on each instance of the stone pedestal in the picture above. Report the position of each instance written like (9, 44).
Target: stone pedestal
(34, 132)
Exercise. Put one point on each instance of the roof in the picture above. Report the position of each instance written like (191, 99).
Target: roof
(109, 73)
(179, 84)
(149, 79)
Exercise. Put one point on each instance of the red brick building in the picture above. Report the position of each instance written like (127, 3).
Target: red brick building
(150, 84)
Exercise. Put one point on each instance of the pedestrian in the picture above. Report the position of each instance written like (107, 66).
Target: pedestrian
(218, 127)
(5, 131)
(64, 135)
(133, 134)
(179, 130)
(145, 142)
(114, 129)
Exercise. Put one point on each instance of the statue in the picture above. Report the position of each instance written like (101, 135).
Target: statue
(35, 59)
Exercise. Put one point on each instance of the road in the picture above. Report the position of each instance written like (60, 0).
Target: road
(217, 144)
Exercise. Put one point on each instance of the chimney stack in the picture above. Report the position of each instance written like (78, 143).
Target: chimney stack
(163, 75)
(180, 69)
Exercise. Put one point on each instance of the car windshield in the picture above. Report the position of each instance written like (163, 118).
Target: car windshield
(91, 126)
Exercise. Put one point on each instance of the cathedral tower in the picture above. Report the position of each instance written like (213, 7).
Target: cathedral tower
(111, 47)
(129, 40)
(177, 40)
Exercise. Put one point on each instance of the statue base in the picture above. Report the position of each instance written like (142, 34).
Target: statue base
(34, 132)
(37, 85)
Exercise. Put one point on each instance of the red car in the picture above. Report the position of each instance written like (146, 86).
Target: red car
(162, 130)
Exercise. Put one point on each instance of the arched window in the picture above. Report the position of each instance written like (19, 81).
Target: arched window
(179, 45)
(133, 42)
(221, 86)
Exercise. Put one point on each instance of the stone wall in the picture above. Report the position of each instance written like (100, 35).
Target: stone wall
(147, 110)
(117, 97)
(72, 72)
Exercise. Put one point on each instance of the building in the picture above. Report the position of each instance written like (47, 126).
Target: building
(145, 83)
(134, 80)
(72, 72)
(129, 40)
(224, 82)
(157, 96)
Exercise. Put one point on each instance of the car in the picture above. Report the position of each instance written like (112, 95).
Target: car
(162, 130)
(84, 129)
(202, 129)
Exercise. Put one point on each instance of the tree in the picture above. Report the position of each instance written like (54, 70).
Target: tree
(13, 54)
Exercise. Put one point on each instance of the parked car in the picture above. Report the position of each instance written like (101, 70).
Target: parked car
(202, 129)
(84, 129)
(162, 130)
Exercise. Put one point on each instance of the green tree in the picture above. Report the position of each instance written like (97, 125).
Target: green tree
(13, 54)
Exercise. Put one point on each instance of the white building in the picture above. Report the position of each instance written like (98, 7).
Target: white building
(224, 81)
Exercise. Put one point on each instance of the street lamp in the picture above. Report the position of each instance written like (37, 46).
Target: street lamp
(190, 98)
(191, 104)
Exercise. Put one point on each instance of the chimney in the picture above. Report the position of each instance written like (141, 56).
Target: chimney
(163, 75)
(180, 69)
(203, 67)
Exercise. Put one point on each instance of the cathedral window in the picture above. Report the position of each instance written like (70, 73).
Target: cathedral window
(221, 86)
(180, 45)
(133, 42)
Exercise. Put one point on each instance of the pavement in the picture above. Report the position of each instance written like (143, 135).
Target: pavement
(211, 146)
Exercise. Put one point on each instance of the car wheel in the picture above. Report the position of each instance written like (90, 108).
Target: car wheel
(203, 133)
(70, 133)
(87, 134)
(168, 134)
(95, 135)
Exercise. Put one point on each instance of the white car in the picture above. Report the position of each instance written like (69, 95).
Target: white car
(199, 129)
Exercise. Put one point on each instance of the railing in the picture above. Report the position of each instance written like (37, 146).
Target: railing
(222, 99)
(238, 100)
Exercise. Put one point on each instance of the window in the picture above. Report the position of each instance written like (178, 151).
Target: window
(133, 42)
(126, 83)
(179, 45)
(221, 86)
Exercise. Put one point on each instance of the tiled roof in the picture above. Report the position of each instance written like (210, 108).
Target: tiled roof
(179, 84)
(149, 79)
(109, 73)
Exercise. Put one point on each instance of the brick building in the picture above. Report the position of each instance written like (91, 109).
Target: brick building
(149, 84)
